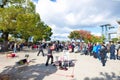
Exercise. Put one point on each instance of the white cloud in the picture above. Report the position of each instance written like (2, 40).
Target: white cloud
(60, 33)
(96, 34)
(70, 19)
(64, 15)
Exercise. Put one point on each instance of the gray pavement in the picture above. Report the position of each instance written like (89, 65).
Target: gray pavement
(86, 68)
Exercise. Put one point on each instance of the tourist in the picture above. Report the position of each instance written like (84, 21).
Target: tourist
(40, 49)
(49, 55)
(112, 51)
(103, 52)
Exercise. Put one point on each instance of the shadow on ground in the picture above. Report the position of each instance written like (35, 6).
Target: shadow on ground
(26, 72)
(105, 76)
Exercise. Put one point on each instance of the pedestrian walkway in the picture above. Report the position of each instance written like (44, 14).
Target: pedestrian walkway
(86, 68)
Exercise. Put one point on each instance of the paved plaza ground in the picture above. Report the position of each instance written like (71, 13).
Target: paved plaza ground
(86, 68)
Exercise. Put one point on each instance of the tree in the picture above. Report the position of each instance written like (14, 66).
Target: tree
(86, 36)
(22, 21)
(74, 35)
(80, 35)
(96, 39)
(43, 31)
(115, 39)
(26, 25)
(47, 33)
(8, 22)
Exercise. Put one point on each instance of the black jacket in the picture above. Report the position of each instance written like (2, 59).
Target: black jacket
(103, 51)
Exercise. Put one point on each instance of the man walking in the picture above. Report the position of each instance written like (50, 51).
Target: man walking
(103, 52)
(112, 51)
(40, 49)
(49, 55)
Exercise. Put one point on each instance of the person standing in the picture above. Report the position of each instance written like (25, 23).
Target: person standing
(15, 47)
(98, 50)
(103, 52)
(118, 49)
(94, 51)
(112, 51)
(49, 55)
(40, 50)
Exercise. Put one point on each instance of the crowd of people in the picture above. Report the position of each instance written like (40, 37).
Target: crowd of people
(100, 51)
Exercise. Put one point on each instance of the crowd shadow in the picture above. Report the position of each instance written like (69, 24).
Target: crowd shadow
(27, 72)
(105, 76)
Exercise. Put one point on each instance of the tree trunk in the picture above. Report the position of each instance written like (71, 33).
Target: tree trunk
(5, 42)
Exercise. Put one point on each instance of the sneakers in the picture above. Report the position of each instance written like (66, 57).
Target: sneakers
(46, 64)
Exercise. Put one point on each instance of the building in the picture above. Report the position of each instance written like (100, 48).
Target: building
(118, 30)
(110, 32)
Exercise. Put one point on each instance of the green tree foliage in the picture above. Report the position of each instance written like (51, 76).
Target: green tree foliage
(47, 33)
(26, 25)
(74, 35)
(115, 39)
(42, 31)
(20, 20)
(8, 21)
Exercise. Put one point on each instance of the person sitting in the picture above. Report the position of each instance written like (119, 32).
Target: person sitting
(24, 61)
(61, 61)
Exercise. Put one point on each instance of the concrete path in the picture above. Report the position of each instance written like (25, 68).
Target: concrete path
(86, 68)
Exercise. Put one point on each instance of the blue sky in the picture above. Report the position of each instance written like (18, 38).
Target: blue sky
(65, 16)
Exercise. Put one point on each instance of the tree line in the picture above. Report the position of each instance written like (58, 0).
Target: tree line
(85, 36)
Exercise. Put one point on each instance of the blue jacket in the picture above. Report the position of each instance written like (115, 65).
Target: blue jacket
(98, 48)
(94, 49)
